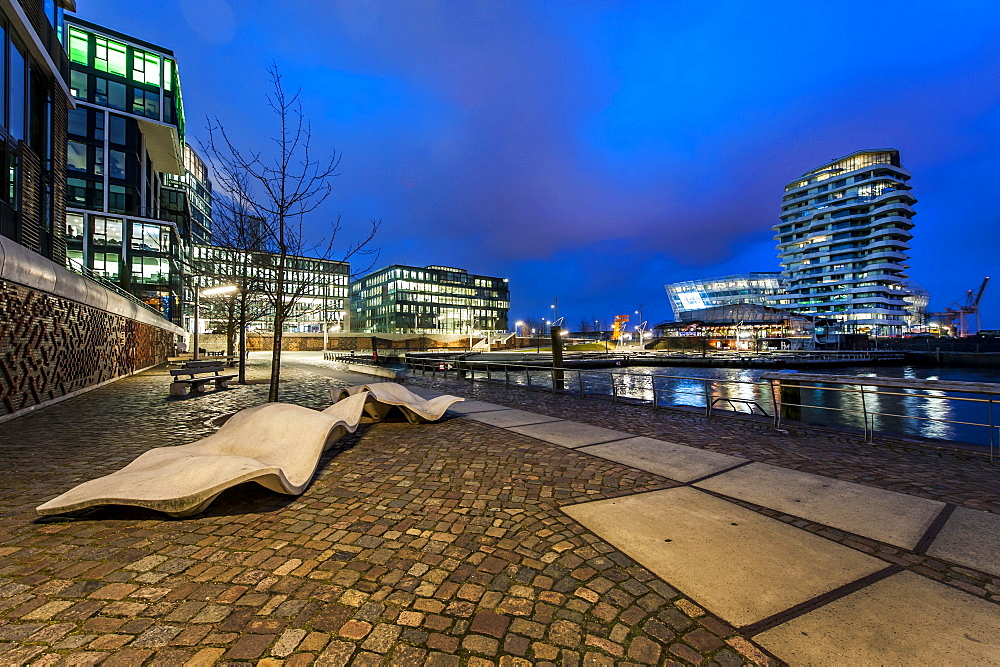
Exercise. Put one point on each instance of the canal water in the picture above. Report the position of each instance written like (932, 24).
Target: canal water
(907, 412)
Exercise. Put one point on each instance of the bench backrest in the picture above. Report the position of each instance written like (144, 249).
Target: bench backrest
(216, 369)
(200, 364)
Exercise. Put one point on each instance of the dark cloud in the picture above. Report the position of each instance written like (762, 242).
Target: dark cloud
(597, 150)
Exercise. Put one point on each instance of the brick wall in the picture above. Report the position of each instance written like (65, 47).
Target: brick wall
(51, 346)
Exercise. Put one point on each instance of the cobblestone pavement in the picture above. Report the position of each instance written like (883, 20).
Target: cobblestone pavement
(437, 544)
(953, 477)
(949, 476)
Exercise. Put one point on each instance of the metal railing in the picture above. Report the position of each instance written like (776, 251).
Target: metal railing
(89, 274)
(782, 397)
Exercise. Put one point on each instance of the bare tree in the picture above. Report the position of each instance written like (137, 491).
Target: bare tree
(238, 239)
(282, 189)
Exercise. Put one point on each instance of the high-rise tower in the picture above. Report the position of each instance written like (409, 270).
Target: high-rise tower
(843, 242)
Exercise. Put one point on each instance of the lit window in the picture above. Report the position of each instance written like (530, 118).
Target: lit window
(79, 46)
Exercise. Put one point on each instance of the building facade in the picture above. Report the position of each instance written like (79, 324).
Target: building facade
(320, 286)
(187, 200)
(33, 115)
(695, 295)
(843, 241)
(429, 300)
(125, 155)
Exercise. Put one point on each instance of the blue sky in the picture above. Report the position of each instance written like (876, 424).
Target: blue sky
(593, 151)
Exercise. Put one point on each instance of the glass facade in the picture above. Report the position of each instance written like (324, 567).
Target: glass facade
(843, 243)
(322, 286)
(125, 141)
(693, 295)
(432, 299)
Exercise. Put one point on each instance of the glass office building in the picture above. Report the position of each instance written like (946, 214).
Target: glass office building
(187, 200)
(321, 286)
(125, 142)
(429, 300)
(695, 295)
(843, 241)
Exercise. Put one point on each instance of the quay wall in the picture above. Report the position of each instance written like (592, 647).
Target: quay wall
(62, 334)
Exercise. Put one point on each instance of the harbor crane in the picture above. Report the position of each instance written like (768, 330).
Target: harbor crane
(961, 313)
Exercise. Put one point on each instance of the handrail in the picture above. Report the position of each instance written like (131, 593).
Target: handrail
(89, 274)
(783, 391)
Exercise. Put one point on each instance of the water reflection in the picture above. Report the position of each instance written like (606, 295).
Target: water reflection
(742, 390)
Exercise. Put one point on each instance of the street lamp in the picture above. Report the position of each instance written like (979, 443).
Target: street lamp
(211, 291)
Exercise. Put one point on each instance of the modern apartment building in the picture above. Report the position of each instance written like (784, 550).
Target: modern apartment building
(429, 300)
(843, 241)
(320, 286)
(34, 74)
(125, 156)
(694, 295)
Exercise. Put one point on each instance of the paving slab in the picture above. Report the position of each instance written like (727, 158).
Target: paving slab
(738, 564)
(570, 433)
(905, 619)
(669, 459)
(507, 418)
(468, 407)
(887, 516)
(970, 538)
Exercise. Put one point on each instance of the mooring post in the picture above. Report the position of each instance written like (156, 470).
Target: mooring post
(558, 383)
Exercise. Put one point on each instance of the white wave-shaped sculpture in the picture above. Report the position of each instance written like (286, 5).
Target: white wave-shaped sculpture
(382, 397)
(276, 445)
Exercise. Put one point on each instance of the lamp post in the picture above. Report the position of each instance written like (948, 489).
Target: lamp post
(221, 289)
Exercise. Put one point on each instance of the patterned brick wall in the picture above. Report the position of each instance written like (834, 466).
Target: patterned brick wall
(50, 346)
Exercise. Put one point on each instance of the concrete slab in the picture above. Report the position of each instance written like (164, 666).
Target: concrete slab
(468, 407)
(570, 433)
(506, 418)
(887, 516)
(970, 538)
(905, 619)
(669, 459)
(739, 564)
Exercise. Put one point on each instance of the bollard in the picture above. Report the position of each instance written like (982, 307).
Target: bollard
(558, 383)
(791, 399)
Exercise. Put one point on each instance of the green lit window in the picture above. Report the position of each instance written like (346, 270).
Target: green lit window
(109, 56)
(107, 264)
(168, 74)
(79, 46)
(145, 68)
(74, 259)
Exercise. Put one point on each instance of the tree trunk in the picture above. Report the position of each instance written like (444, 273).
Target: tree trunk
(272, 394)
(230, 326)
(280, 313)
(243, 336)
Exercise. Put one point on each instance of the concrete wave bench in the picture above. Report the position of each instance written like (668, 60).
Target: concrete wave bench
(276, 445)
(384, 397)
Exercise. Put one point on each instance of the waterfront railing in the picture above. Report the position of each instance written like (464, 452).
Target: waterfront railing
(934, 411)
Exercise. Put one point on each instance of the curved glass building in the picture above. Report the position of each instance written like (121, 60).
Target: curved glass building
(843, 241)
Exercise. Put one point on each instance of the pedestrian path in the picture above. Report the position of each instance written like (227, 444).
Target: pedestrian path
(806, 598)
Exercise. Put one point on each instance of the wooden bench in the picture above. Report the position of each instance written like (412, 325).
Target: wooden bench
(196, 376)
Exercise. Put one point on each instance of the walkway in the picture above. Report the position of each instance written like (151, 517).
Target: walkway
(498, 536)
